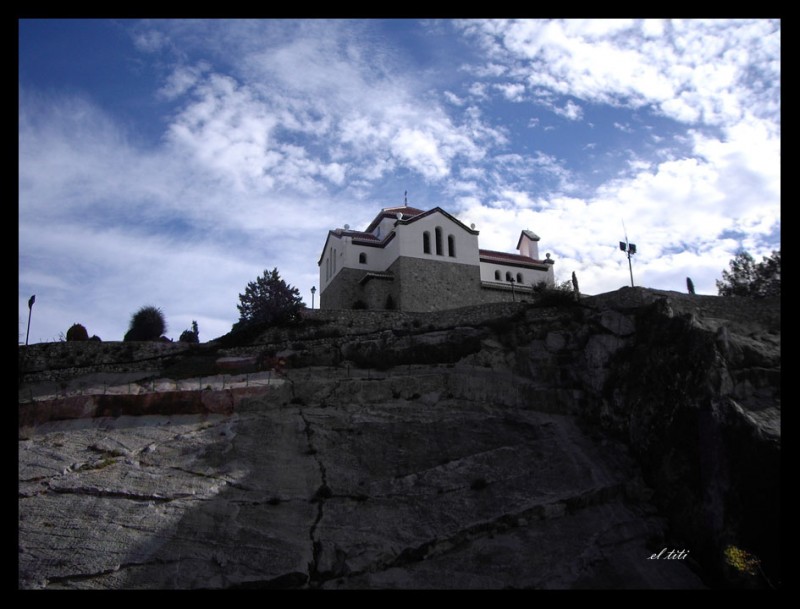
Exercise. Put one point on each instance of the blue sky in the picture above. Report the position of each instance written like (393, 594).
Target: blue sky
(170, 162)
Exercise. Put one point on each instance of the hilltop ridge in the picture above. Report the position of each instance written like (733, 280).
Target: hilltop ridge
(503, 445)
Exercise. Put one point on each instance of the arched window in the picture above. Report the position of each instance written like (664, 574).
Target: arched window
(519, 277)
(438, 241)
(426, 242)
(497, 275)
(508, 276)
(362, 258)
(451, 246)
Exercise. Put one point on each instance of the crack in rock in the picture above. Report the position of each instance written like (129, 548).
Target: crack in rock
(322, 493)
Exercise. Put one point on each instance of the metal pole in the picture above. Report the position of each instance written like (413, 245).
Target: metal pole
(31, 300)
(630, 266)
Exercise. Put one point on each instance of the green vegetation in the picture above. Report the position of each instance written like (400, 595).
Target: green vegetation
(741, 560)
(747, 277)
(545, 295)
(77, 332)
(190, 336)
(146, 324)
(268, 300)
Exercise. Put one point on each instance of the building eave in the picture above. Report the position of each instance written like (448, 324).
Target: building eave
(357, 238)
(515, 260)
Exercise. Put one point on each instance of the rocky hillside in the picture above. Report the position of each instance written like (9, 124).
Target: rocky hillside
(549, 445)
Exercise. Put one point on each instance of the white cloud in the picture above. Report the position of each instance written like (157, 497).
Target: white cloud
(512, 92)
(453, 98)
(150, 41)
(181, 80)
(277, 117)
(694, 70)
(571, 111)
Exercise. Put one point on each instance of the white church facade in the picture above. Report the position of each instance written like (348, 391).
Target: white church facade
(414, 260)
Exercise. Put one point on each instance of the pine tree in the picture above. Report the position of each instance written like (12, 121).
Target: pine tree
(269, 300)
(747, 277)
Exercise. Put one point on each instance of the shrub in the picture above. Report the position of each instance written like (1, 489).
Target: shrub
(190, 336)
(146, 324)
(552, 296)
(96, 338)
(77, 332)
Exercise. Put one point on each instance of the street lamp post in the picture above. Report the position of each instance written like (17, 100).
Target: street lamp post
(313, 291)
(30, 311)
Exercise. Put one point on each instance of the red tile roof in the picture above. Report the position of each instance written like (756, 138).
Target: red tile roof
(407, 211)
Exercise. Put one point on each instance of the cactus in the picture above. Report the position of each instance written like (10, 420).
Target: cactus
(146, 324)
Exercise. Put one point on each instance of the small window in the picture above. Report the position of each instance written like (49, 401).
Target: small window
(426, 242)
(519, 277)
(438, 241)
(362, 258)
(497, 275)
(508, 276)
(451, 246)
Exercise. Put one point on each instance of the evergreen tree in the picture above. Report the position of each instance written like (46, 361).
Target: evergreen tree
(269, 300)
(747, 277)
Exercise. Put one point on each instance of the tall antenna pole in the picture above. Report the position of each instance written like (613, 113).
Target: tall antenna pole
(629, 248)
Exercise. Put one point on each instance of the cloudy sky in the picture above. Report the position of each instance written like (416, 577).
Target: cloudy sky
(169, 163)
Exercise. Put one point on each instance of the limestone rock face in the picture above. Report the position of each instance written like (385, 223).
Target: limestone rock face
(492, 447)
(387, 483)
